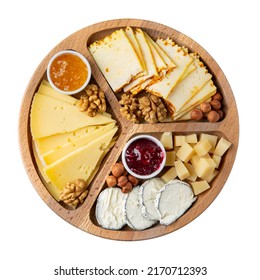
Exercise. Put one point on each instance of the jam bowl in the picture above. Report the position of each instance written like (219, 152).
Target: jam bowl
(144, 156)
(68, 72)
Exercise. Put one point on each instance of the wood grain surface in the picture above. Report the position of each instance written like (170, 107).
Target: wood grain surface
(84, 216)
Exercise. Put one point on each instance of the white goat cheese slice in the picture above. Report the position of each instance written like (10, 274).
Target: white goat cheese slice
(173, 200)
(110, 208)
(134, 211)
(150, 189)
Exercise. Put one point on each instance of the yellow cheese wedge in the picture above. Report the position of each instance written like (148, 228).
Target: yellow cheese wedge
(181, 59)
(51, 116)
(80, 163)
(148, 58)
(117, 59)
(69, 147)
(49, 91)
(189, 86)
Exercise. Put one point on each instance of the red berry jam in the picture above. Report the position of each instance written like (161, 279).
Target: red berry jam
(144, 157)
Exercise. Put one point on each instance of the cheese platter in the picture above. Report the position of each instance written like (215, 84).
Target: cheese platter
(155, 126)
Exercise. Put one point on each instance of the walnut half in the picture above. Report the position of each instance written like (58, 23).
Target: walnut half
(74, 194)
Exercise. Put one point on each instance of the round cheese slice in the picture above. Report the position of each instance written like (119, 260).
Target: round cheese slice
(173, 200)
(110, 208)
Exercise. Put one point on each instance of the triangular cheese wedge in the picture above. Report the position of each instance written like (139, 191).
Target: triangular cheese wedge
(50, 116)
(80, 163)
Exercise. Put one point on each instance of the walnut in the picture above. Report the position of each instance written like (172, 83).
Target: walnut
(92, 101)
(130, 107)
(152, 108)
(74, 194)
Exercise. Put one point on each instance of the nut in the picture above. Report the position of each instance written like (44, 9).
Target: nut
(217, 96)
(213, 116)
(221, 114)
(111, 181)
(133, 180)
(127, 188)
(215, 104)
(205, 107)
(122, 181)
(196, 114)
(118, 169)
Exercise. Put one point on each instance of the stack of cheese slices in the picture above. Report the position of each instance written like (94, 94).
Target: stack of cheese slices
(131, 61)
(68, 144)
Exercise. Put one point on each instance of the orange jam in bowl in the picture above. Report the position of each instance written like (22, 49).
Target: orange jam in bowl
(68, 72)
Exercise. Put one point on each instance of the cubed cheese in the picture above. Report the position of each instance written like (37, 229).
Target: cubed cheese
(217, 160)
(212, 140)
(194, 160)
(205, 167)
(199, 186)
(202, 147)
(185, 152)
(193, 176)
(169, 175)
(181, 170)
(222, 147)
(191, 138)
(166, 140)
(212, 176)
(179, 140)
(170, 158)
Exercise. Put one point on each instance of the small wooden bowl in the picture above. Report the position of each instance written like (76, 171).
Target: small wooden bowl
(84, 216)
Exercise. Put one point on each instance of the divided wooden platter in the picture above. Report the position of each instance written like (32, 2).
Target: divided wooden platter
(84, 216)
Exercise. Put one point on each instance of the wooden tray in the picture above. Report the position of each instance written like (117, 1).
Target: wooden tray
(84, 217)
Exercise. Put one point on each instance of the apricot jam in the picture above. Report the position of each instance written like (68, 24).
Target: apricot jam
(68, 72)
(144, 157)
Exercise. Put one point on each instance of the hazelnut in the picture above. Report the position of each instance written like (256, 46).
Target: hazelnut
(122, 181)
(215, 104)
(118, 169)
(217, 96)
(111, 181)
(221, 114)
(205, 107)
(213, 116)
(127, 188)
(133, 180)
(196, 114)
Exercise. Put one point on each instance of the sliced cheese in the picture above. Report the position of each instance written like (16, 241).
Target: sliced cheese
(148, 58)
(49, 91)
(69, 147)
(181, 59)
(51, 116)
(189, 86)
(80, 163)
(117, 59)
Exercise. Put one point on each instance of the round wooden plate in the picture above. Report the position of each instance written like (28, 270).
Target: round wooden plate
(84, 216)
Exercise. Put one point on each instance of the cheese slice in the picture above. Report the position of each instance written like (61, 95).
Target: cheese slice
(181, 59)
(80, 163)
(71, 146)
(117, 59)
(50, 116)
(148, 58)
(49, 91)
(189, 86)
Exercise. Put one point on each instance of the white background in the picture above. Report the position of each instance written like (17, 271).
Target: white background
(225, 238)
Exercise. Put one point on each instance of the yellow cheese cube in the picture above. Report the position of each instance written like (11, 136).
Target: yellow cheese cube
(181, 170)
(179, 140)
(202, 147)
(185, 152)
(212, 176)
(205, 167)
(170, 158)
(169, 175)
(199, 186)
(166, 140)
(194, 160)
(222, 147)
(191, 138)
(217, 160)
(193, 176)
(212, 140)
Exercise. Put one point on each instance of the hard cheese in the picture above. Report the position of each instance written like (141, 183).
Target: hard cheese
(80, 163)
(50, 116)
